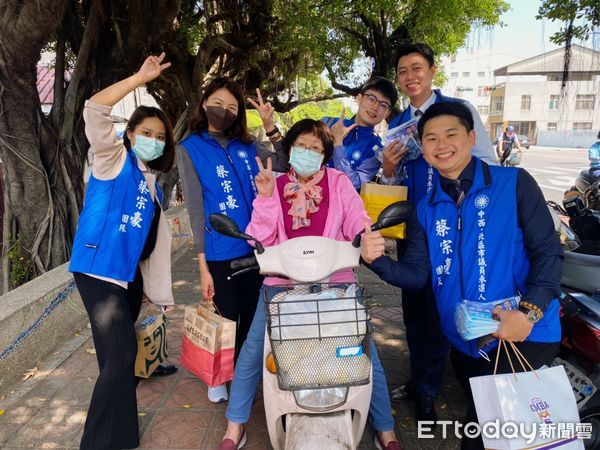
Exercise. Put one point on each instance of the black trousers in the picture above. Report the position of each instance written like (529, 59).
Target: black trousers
(426, 341)
(236, 298)
(465, 367)
(112, 419)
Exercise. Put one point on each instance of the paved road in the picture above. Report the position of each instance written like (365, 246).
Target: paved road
(554, 169)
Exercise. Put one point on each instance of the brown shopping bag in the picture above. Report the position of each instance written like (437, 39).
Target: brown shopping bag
(151, 333)
(208, 345)
(376, 197)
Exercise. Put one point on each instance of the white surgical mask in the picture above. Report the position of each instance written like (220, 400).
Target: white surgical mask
(305, 162)
(148, 149)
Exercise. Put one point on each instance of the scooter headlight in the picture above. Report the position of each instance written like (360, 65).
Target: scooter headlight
(321, 399)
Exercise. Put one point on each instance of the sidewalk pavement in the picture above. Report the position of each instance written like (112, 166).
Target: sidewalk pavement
(48, 410)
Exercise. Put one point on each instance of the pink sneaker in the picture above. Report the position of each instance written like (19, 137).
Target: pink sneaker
(228, 444)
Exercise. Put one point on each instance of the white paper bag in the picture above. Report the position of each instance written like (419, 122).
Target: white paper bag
(546, 401)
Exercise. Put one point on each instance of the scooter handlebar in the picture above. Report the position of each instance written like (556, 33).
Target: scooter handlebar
(243, 263)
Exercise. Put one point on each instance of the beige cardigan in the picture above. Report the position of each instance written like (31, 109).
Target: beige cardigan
(109, 157)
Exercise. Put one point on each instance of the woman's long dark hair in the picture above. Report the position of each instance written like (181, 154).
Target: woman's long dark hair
(239, 129)
(315, 127)
(164, 163)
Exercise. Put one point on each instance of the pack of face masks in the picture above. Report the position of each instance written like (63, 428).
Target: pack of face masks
(476, 319)
(408, 134)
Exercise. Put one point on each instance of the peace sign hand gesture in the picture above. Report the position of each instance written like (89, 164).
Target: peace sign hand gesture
(340, 131)
(265, 110)
(265, 183)
(152, 68)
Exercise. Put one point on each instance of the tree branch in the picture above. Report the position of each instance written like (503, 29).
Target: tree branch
(289, 105)
(72, 97)
(59, 80)
(340, 87)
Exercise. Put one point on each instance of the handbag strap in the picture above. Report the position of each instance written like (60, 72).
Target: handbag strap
(207, 306)
(522, 360)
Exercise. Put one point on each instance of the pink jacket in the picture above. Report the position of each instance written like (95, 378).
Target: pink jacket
(345, 219)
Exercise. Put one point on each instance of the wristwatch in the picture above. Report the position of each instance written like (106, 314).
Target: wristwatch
(531, 311)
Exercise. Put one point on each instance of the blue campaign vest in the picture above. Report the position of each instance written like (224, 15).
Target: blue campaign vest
(486, 260)
(114, 224)
(227, 178)
(360, 144)
(417, 174)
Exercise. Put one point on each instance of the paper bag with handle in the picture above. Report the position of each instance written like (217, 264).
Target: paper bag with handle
(208, 345)
(376, 197)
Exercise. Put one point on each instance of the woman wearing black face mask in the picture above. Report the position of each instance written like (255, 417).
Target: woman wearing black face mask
(217, 167)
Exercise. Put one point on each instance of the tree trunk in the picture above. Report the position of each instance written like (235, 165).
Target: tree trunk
(34, 184)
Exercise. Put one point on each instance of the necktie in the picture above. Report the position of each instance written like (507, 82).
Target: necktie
(418, 114)
(455, 191)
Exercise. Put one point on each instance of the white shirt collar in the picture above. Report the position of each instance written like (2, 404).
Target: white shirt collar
(430, 101)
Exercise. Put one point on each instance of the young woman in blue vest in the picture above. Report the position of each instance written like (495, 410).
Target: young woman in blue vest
(122, 250)
(217, 167)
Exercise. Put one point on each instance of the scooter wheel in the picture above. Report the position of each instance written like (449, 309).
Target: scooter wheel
(592, 415)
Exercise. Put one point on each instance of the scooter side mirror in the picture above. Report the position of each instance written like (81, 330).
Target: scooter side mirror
(227, 226)
(392, 215)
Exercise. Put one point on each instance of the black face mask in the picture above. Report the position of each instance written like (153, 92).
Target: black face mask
(220, 118)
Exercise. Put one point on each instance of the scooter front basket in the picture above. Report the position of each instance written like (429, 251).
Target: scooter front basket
(319, 335)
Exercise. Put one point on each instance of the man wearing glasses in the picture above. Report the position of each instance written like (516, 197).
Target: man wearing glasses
(356, 142)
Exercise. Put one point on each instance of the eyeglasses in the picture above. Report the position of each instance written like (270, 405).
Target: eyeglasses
(372, 100)
(301, 150)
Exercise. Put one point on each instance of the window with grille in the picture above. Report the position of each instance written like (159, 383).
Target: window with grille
(498, 104)
(580, 126)
(585, 102)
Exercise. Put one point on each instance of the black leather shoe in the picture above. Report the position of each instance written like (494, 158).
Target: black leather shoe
(164, 370)
(405, 391)
(425, 408)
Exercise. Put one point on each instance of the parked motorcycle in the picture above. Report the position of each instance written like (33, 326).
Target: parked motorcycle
(579, 232)
(317, 373)
(586, 185)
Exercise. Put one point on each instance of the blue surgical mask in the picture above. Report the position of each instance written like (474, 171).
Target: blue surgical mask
(148, 149)
(305, 162)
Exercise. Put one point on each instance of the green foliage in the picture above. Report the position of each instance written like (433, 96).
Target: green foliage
(311, 110)
(376, 27)
(580, 18)
(21, 268)
(253, 119)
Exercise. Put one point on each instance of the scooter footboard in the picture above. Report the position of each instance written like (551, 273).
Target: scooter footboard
(324, 431)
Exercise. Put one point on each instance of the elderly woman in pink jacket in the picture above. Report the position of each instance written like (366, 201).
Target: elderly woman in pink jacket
(309, 200)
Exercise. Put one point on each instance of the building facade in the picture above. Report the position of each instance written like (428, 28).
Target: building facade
(470, 75)
(528, 95)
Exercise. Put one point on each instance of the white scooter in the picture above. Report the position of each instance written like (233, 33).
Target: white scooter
(317, 373)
